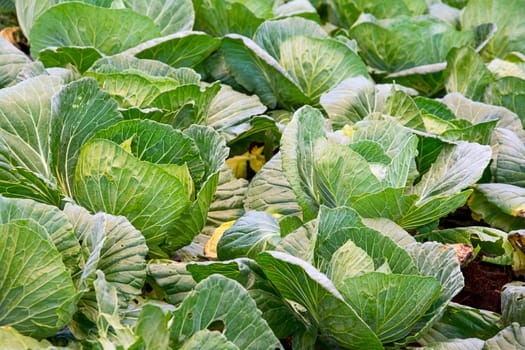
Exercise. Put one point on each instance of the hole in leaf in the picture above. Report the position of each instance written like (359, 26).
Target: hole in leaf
(216, 325)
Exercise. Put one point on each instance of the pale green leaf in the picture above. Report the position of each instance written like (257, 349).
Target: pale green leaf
(13, 340)
(297, 143)
(221, 17)
(512, 305)
(80, 24)
(461, 322)
(184, 49)
(510, 163)
(258, 72)
(456, 168)
(487, 204)
(400, 43)
(510, 34)
(301, 283)
(80, 57)
(318, 65)
(468, 74)
(12, 61)
(219, 300)
(509, 199)
(391, 304)
(25, 123)
(208, 340)
(37, 295)
(80, 109)
(351, 101)
(272, 34)
(511, 338)
(173, 278)
(170, 16)
(122, 255)
(52, 220)
(339, 225)
(251, 234)
(152, 326)
(349, 261)
(126, 190)
(476, 112)
(275, 310)
(270, 191)
(230, 108)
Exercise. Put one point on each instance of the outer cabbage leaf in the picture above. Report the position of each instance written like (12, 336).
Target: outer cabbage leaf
(438, 261)
(272, 34)
(338, 226)
(348, 261)
(184, 49)
(512, 305)
(25, 119)
(455, 344)
(395, 45)
(301, 283)
(510, 35)
(138, 82)
(186, 104)
(228, 201)
(318, 65)
(80, 24)
(450, 173)
(51, 219)
(348, 12)
(37, 295)
(351, 101)
(509, 199)
(13, 340)
(392, 304)
(256, 71)
(170, 16)
(468, 74)
(122, 251)
(297, 143)
(229, 111)
(219, 299)
(462, 322)
(512, 337)
(251, 234)
(173, 278)
(476, 112)
(276, 311)
(270, 191)
(126, 189)
(509, 164)
(80, 57)
(508, 92)
(341, 174)
(12, 62)
(208, 340)
(80, 109)
(493, 207)
(221, 17)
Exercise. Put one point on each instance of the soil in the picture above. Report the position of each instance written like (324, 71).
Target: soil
(483, 282)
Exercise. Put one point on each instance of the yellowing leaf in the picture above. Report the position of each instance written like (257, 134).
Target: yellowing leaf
(210, 248)
(239, 164)
(127, 144)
